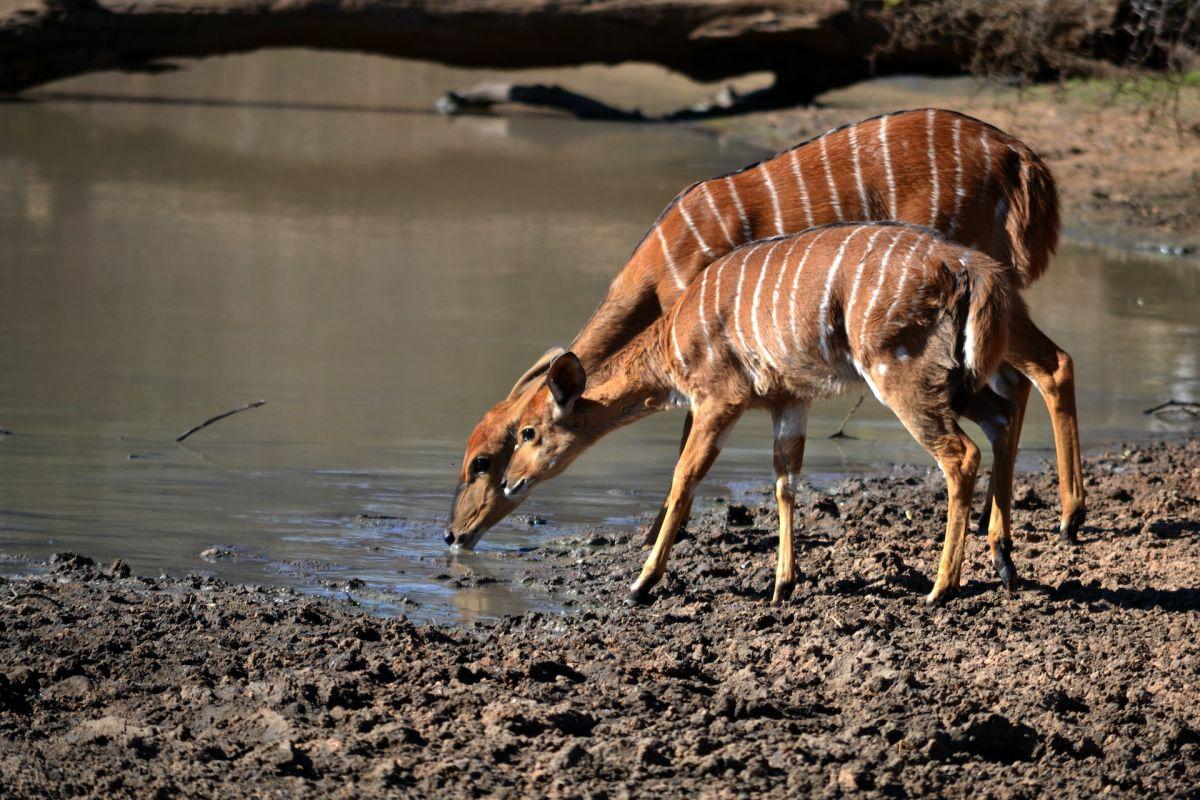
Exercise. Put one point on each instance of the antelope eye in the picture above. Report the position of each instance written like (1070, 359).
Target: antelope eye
(527, 434)
(480, 464)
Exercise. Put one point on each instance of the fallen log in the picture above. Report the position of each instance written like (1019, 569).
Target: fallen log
(810, 45)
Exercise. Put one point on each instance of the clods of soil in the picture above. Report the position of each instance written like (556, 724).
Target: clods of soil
(1084, 683)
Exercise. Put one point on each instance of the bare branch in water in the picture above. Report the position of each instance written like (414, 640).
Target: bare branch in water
(840, 433)
(1182, 405)
(726, 102)
(219, 417)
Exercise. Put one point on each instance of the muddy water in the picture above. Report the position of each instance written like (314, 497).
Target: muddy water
(297, 229)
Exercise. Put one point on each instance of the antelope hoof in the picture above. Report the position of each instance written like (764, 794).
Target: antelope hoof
(938, 596)
(639, 593)
(1068, 529)
(1005, 568)
(783, 592)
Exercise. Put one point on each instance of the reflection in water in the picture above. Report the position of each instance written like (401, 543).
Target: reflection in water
(380, 279)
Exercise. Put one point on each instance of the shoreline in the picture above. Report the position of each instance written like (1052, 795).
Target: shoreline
(1083, 682)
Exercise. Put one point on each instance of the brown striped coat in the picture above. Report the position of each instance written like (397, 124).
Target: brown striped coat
(978, 185)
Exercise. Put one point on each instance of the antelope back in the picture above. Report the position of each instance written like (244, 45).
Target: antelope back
(806, 315)
(975, 184)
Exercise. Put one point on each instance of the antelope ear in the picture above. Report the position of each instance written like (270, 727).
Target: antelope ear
(566, 380)
(536, 371)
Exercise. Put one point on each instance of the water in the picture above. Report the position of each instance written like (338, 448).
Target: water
(296, 228)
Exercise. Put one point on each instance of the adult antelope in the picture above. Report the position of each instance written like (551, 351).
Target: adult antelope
(974, 183)
(777, 323)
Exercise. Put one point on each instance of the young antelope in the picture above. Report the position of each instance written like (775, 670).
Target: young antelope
(777, 323)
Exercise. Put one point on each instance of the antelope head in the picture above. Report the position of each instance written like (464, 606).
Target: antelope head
(480, 500)
(551, 430)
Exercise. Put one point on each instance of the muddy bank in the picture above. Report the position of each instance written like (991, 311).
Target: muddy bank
(1086, 682)
(1125, 159)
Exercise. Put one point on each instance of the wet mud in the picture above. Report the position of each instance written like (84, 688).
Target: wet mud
(1084, 683)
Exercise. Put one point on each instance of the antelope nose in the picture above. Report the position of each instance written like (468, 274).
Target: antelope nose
(510, 491)
(449, 536)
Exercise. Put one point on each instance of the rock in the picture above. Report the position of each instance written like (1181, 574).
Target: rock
(853, 777)
(738, 515)
(390, 772)
(119, 569)
(550, 671)
(288, 759)
(567, 756)
(66, 562)
(649, 754)
(1027, 499)
(572, 722)
(827, 507)
(112, 729)
(222, 552)
(995, 738)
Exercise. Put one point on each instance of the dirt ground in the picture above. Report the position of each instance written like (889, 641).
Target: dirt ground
(1084, 683)
(1127, 160)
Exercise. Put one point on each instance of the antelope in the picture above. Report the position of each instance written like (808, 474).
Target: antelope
(776, 324)
(979, 186)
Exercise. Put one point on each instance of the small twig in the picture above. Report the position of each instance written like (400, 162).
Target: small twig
(840, 433)
(38, 595)
(219, 417)
(1183, 405)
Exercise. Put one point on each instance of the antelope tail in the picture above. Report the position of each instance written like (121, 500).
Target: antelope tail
(989, 298)
(1032, 222)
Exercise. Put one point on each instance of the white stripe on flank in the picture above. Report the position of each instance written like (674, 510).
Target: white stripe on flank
(737, 303)
(858, 179)
(862, 262)
(887, 166)
(720, 220)
(833, 192)
(904, 278)
(675, 341)
(986, 143)
(933, 198)
(720, 317)
(766, 175)
(862, 334)
(796, 283)
(754, 326)
(775, 297)
(959, 192)
(687, 218)
(823, 315)
(737, 202)
(808, 215)
(670, 260)
(703, 317)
